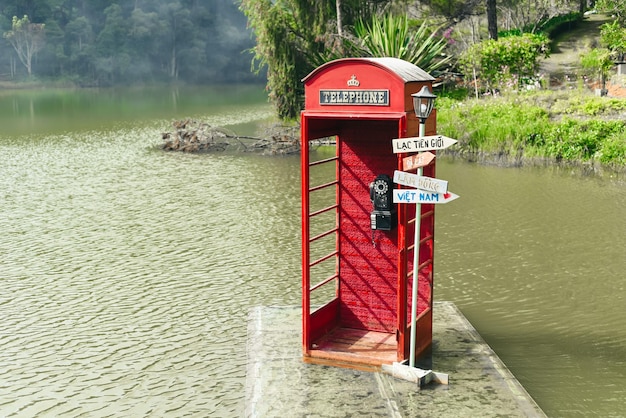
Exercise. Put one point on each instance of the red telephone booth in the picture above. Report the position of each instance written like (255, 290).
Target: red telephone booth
(357, 250)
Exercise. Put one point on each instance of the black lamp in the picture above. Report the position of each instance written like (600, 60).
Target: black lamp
(423, 103)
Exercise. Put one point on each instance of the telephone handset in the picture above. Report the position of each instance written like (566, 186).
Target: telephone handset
(383, 217)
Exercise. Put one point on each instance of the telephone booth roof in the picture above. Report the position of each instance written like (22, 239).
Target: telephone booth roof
(407, 71)
(363, 86)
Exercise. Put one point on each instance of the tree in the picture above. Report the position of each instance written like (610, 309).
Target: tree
(79, 39)
(292, 36)
(27, 39)
(177, 32)
(613, 37)
(453, 10)
(113, 59)
(339, 18)
(78, 33)
(492, 20)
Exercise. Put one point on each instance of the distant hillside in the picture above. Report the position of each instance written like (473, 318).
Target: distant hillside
(121, 42)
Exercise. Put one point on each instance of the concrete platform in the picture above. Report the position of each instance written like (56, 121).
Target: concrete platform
(280, 384)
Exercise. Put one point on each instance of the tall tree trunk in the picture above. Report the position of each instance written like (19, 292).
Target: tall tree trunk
(492, 19)
(583, 6)
(339, 18)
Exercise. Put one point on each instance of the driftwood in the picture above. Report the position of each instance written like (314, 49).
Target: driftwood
(194, 136)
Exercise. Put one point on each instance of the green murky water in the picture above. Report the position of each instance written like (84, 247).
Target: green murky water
(127, 273)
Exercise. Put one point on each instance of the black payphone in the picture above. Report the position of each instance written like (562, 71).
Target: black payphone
(383, 217)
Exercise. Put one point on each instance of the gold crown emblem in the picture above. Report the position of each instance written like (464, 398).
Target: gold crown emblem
(353, 82)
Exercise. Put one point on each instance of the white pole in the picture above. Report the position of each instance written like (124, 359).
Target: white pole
(416, 252)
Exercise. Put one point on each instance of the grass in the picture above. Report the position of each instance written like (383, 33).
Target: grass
(575, 127)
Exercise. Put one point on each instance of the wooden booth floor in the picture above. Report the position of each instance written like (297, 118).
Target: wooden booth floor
(355, 348)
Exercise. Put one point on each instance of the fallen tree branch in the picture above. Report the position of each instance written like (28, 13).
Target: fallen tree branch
(194, 136)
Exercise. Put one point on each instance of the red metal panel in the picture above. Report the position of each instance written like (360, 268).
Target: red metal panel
(323, 320)
(368, 268)
(306, 255)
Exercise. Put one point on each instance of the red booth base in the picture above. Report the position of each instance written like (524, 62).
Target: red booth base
(363, 349)
(354, 348)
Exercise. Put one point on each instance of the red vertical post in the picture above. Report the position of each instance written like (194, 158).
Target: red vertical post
(306, 255)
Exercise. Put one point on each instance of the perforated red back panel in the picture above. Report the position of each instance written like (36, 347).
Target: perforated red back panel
(368, 268)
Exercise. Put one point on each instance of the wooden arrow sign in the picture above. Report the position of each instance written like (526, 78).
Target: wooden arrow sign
(418, 160)
(421, 196)
(421, 143)
(420, 182)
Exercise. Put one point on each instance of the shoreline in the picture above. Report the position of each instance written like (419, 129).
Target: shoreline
(585, 168)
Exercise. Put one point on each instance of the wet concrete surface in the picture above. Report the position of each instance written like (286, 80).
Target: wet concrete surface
(279, 383)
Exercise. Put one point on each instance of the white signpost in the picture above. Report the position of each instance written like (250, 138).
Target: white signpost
(422, 196)
(426, 190)
(421, 143)
(420, 182)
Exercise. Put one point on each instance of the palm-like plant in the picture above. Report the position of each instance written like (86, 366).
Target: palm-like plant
(393, 36)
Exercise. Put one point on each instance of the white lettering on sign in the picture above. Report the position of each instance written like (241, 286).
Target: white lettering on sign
(422, 143)
(420, 196)
(420, 182)
(354, 97)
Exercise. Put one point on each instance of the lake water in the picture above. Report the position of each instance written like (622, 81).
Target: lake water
(127, 273)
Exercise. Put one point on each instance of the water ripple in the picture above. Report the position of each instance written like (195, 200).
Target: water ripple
(127, 274)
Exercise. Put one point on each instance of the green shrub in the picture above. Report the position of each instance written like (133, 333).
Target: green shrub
(580, 140)
(508, 62)
(598, 61)
(613, 37)
(613, 150)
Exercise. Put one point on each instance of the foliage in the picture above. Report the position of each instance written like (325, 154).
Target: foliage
(453, 10)
(292, 41)
(550, 26)
(533, 123)
(598, 61)
(118, 42)
(392, 36)
(513, 59)
(613, 37)
(288, 37)
(588, 106)
(616, 8)
(534, 16)
(613, 150)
